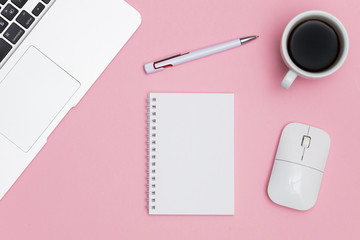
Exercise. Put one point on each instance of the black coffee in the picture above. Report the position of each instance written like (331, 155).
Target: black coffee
(313, 46)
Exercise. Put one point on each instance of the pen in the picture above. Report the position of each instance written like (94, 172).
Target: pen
(190, 56)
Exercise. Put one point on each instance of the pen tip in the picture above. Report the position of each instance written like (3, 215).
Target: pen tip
(247, 39)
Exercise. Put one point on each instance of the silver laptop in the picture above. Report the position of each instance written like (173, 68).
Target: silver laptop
(51, 52)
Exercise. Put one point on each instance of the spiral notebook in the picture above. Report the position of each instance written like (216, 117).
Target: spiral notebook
(191, 154)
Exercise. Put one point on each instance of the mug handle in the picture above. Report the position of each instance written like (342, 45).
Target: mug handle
(288, 79)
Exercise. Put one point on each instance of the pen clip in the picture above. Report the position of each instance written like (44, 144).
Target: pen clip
(165, 59)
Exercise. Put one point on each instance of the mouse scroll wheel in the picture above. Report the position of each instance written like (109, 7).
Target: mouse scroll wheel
(305, 143)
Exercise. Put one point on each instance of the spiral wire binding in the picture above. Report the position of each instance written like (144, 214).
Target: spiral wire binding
(151, 153)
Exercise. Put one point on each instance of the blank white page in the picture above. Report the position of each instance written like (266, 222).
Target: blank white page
(191, 154)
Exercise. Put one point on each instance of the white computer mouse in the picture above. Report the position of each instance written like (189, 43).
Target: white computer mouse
(299, 165)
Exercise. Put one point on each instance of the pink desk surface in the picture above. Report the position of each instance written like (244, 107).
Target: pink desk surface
(88, 182)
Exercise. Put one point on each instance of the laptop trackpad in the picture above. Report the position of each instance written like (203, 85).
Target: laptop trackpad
(31, 96)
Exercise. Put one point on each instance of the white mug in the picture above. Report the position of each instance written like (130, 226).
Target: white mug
(294, 70)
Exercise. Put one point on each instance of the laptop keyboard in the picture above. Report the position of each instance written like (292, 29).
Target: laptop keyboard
(16, 23)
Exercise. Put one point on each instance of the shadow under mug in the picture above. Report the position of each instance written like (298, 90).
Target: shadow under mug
(294, 70)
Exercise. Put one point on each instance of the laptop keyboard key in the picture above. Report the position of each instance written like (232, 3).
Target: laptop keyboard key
(14, 33)
(3, 2)
(3, 24)
(19, 3)
(5, 48)
(46, 1)
(38, 9)
(25, 19)
(9, 12)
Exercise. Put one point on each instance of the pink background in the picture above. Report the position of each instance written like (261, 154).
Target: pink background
(89, 180)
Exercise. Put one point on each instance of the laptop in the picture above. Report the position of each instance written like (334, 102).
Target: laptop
(51, 52)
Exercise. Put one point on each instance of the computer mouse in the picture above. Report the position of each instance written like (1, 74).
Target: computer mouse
(299, 166)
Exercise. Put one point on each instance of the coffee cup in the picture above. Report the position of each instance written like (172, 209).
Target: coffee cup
(314, 44)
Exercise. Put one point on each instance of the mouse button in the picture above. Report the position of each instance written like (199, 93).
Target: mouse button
(316, 155)
(294, 186)
(290, 148)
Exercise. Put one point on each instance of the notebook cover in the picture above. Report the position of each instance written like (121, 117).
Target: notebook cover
(191, 154)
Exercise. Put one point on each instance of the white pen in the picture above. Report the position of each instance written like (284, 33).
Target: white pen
(190, 56)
